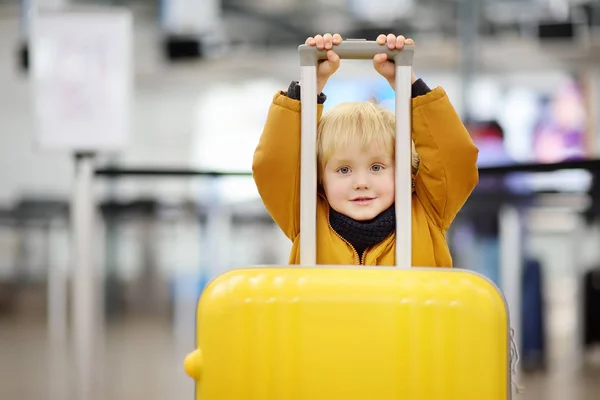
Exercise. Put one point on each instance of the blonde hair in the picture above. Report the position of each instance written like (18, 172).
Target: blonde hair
(365, 122)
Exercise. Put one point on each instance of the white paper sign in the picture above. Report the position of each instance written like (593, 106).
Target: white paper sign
(82, 79)
(190, 17)
(380, 10)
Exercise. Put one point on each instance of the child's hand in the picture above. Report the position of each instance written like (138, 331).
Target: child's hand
(326, 68)
(386, 68)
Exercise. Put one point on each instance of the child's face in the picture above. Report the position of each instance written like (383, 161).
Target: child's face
(359, 182)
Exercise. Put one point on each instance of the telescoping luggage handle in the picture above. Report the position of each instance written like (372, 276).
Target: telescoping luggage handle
(357, 50)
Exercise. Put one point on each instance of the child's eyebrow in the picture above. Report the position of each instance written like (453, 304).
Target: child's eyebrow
(338, 161)
(383, 159)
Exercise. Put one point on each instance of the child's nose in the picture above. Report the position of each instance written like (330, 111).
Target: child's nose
(360, 181)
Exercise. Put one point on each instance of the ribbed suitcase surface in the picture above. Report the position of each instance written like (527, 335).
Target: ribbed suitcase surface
(351, 333)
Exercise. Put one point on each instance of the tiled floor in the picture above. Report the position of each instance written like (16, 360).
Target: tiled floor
(144, 361)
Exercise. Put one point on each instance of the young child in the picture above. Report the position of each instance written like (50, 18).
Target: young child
(355, 209)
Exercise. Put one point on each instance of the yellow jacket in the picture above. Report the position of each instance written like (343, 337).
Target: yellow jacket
(447, 174)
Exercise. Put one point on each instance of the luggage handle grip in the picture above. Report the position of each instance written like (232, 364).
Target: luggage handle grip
(363, 50)
(356, 49)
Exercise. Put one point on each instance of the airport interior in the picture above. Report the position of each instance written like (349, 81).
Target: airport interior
(127, 135)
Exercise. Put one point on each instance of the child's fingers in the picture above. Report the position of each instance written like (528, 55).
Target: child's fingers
(391, 41)
(400, 40)
(327, 40)
(319, 42)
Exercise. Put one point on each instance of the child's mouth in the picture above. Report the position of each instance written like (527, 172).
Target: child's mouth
(363, 201)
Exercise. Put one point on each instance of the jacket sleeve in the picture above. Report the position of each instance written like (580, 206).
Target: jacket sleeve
(447, 171)
(276, 163)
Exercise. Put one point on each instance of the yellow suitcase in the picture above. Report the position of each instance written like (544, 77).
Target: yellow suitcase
(342, 332)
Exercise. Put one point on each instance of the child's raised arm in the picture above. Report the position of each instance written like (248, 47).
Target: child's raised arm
(448, 157)
(276, 164)
(447, 171)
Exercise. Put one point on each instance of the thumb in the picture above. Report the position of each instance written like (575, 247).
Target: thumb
(379, 61)
(333, 57)
(330, 65)
(334, 61)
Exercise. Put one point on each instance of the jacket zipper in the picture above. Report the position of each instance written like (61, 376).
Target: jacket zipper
(363, 259)
(357, 260)
(364, 256)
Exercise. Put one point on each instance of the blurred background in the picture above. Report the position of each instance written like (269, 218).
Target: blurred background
(186, 90)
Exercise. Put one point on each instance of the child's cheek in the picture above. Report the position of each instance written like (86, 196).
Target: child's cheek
(386, 186)
(337, 190)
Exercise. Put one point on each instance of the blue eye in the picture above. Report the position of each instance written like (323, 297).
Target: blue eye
(344, 170)
(377, 167)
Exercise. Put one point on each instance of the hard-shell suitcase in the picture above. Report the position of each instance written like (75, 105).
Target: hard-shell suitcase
(533, 343)
(591, 307)
(344, 332)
